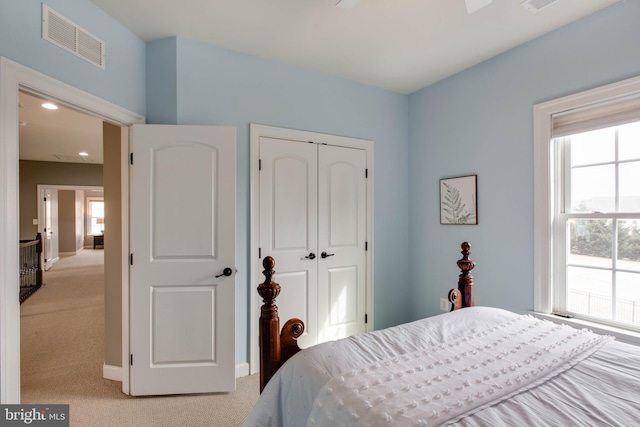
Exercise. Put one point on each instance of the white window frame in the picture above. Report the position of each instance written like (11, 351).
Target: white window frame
(546, 198)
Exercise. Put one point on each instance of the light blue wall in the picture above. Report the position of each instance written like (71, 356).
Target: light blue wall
(123, 80)
(480, 121)
(162, 81)
(221, 87)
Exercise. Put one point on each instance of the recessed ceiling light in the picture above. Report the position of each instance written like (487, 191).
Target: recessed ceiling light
(83, 154)
(49, 106)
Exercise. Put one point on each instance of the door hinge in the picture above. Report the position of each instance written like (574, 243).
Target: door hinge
(366, 173)
(131, 259)
(131, 158)
(366, 318)
(366, 246)
(131, 359)
(259, 253)
(259, 164)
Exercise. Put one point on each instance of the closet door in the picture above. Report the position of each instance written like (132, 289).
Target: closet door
(342, 231)
(289, 227)
(313, 202)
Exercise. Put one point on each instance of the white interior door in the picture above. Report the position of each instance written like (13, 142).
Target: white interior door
(50, 229)
(342, 230)
(288, 227)
(313, 200)
(182, 319)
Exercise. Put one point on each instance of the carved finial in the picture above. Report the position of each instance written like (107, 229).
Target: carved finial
(269, 290)
(268, 263)
(465, 264)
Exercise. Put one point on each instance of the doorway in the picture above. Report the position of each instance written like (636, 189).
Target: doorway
(62, 171)
(15, 77)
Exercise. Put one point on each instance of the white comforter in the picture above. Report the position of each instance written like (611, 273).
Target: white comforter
(592, 383)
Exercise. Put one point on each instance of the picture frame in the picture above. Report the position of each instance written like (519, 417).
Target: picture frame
(459, 200)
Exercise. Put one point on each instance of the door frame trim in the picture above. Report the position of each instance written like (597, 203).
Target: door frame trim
(13, 78)
(258, 131)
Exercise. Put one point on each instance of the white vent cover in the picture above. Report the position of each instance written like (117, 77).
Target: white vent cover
(536, 5)
(62, 32)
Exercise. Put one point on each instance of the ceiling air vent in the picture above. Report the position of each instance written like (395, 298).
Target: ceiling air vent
(69, 159)
(62, 32)
(537, 5)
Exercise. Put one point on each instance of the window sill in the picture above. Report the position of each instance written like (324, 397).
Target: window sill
(620, 334)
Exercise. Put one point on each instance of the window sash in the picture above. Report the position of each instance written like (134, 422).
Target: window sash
(561, 249)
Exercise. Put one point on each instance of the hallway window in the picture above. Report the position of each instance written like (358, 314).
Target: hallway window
(96, 216)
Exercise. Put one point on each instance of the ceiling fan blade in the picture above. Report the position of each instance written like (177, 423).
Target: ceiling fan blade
(473, 5)
(346, 4)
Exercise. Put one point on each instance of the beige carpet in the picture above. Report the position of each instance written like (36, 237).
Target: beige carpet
(62, 327)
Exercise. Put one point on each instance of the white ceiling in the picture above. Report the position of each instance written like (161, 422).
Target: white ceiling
(57, 135)
(399, 45)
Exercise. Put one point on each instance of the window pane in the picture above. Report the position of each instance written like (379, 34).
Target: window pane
(630, 186)
(590, 242)
(629, 244)
(97, 209)
(593, 189)
(597, 146)
(589, 292)
(628, 297)
(629, 141)
(97, 217)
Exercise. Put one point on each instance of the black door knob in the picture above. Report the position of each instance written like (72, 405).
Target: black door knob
(311, 256)
(226, 272)
(326, 255)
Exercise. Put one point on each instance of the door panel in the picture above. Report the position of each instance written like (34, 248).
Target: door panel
(343, 296)
(173, 172)
(342, 237)
(182, 239)
(294, 297)
(288, 226)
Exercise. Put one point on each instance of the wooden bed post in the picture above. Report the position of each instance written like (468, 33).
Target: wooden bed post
(269, 329)
(463, 296)
(276, 346)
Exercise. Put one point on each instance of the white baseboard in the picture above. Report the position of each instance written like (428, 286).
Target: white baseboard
(114, 373)
(110, 372)
(242, 370)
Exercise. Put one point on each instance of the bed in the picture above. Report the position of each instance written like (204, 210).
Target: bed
(474, 366)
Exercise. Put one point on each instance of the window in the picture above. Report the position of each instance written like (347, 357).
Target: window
(587, 205)
(96, 215)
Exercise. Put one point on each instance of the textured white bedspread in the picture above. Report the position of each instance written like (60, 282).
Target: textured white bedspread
(599, 387)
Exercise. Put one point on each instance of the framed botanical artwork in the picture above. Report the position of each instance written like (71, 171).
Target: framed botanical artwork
(459, 200)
